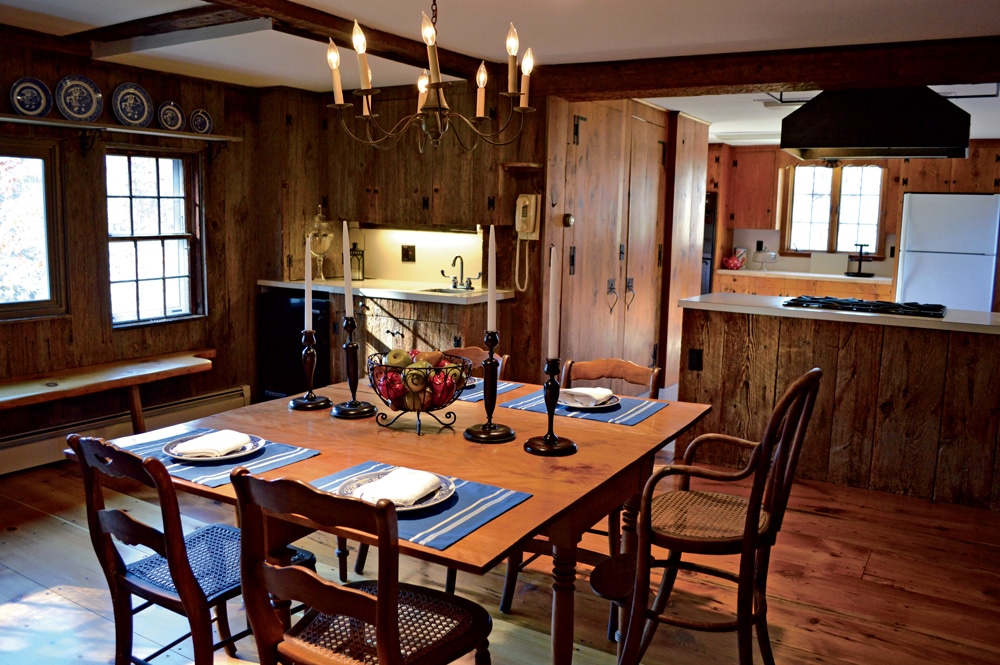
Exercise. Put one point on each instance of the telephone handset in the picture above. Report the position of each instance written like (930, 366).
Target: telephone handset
(526, 216)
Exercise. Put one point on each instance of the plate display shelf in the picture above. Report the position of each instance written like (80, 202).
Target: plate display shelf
(94, 128)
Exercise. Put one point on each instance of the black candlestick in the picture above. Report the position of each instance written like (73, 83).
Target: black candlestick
(310, 401)
(550, 445)
(352, 408)
(490, 432)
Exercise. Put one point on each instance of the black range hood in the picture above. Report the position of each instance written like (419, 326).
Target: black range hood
(876, 124)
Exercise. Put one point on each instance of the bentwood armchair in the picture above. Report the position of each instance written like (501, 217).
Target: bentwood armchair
(709, 522)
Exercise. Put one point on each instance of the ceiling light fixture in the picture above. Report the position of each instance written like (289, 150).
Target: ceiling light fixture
(435, 117)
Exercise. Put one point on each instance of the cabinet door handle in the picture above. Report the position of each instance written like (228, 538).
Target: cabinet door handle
(612, 291)
(394, 333)
(628, 290)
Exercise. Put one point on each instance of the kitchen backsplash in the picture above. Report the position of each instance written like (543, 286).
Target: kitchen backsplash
(819, 263)
(433, 252)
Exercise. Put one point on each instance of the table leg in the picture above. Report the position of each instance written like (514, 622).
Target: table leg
(630, 514)
(563, 590)
(135, 409)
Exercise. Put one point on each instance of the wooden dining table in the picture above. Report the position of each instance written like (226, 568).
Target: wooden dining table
(568, 494)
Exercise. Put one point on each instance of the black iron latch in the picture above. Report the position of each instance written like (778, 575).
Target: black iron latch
(577, 119)
(572, 260)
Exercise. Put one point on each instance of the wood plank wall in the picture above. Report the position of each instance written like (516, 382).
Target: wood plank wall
(900, 410)
(239, 243)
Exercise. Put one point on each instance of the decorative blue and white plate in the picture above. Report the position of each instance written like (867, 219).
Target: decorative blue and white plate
(170, 116)
(201, 121)
(132, 105)
(31, 97)
(79, 98)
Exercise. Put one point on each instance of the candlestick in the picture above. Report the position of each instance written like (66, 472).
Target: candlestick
(550, 445)
(527, 64)
(308, 285)
(348, 287)
(429, 35)
(491, 295)
(490, 432)
(352, 408)
(481, 90)
(553, 345)
(360, 44)
(310, 401)
(512, 44)
(333, 59)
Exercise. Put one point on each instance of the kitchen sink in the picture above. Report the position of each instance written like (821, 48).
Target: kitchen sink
(454, 292)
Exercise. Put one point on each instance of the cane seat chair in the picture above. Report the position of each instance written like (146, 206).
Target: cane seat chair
(709, 522)
(603, 368)
(188, 574)
(371, 621)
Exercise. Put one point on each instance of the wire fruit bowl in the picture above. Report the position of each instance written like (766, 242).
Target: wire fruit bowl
(418, 387)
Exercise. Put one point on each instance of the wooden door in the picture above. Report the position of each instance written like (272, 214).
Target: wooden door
(399, 192)
(451, 181)
(595, 163)
(644, 241)
(754, 188)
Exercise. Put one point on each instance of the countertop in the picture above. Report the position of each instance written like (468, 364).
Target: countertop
(395, 290)
(954, 320)
(819, 276)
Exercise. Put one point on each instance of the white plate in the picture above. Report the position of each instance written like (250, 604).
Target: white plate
(612, 401)
(256, 443)
(170, 116)
(31, 97)
(201, 121)
(441, 494)
(132, 105)
(79, 98)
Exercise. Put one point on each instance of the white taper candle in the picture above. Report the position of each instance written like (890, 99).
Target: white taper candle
(553, 345)
(348, 289)
(491, 300)
(309, 284)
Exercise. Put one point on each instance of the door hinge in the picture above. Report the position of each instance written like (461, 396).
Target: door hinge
(735, 163)
(621, 251)
(717, 159)
(426, 204)
(577, 119)
(288, 260)
(663, 153)
(457, 341)
(659, 255)
(288, 119)
(491, 203)
(656, 352)
(996, 183)
(906, 181)
(572, 259)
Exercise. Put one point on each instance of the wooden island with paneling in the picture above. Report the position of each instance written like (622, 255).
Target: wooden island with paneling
(907, 404)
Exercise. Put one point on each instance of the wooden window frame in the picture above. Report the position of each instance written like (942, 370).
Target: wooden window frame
(194, 181)
(56, 304)
(878, 253)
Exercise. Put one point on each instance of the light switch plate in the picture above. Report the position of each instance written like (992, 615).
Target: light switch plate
(409, 253)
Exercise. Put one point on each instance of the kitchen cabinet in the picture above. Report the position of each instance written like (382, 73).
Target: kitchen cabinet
(751, 282)
(753, 197)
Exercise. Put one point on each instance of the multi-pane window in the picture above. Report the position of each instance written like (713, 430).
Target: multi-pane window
(31, 275)
(152, 241)
(832, 209)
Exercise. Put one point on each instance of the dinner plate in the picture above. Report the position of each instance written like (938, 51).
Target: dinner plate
(31, 97)
(79, 98)
(170, 116)
(201, 121)
(132, 105)
(612, 402)
(440, 495)
(256, 443)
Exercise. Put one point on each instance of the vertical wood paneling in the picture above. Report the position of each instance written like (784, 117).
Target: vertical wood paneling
(908, 419)
(970, 421)
(854, 399)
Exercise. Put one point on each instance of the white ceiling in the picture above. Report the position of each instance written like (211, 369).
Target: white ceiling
(558, 31)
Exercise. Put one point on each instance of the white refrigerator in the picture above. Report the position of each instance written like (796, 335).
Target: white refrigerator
(948, 247)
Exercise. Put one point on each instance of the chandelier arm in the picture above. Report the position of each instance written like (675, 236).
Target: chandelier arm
(488, 138)
(371, 140)
(461, 142)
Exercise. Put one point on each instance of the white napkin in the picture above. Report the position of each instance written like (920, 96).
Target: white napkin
(402, 486)
(213, 444)
(584, 396)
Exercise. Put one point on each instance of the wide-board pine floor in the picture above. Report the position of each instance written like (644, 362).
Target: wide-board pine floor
(858, 577)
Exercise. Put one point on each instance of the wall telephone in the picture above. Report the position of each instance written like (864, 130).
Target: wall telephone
(526, 214)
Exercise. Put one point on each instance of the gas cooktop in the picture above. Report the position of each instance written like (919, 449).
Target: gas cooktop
(870, 306)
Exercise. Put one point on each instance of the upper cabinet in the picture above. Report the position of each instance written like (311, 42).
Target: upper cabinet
(753, 194)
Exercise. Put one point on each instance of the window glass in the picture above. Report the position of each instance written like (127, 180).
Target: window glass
(860, 192)
(846, 200)
(811, 208)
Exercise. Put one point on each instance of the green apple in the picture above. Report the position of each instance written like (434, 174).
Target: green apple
(397, 358)
(415, 375)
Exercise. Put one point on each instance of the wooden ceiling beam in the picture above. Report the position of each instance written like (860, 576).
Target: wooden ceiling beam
(302, 21)
(42, 40)
(939, 62)
(162, 24)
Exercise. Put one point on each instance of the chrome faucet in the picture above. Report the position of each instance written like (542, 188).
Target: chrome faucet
(460, 281)
(461, 268)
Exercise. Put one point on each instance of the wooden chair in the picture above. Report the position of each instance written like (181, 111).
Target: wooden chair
(188, 574)
(713, 523)
(611, 368)
(477, 355)
(369, 621)
(603, 368)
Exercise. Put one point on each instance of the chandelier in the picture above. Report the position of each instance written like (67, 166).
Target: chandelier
(433, 115)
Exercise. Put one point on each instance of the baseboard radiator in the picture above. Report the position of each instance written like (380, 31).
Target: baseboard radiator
(24, 451)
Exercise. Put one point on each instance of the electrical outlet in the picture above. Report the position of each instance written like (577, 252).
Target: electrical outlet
(409, 253)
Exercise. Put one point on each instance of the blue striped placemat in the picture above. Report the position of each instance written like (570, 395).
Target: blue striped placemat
(443, 525)
(475, 393)
(628, 411)
(213, 474)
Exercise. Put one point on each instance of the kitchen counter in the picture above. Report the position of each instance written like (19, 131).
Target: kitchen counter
(396, 290)
(958, 320)
(819, 276)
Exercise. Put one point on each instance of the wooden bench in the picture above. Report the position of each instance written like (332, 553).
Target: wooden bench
(130, 374)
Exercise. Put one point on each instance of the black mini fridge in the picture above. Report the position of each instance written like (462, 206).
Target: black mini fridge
(280, 317)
